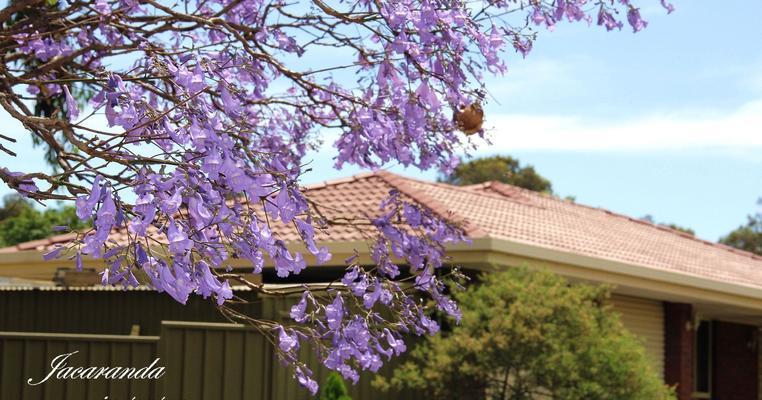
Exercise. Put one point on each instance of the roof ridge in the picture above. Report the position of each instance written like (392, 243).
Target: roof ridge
(399, 182)
(338, 181)
(471, 189)
(499, 184)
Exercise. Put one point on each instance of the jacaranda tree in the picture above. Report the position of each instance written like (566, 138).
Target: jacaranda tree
(185, 125)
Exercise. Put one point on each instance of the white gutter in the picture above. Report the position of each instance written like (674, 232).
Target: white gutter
(482, 251)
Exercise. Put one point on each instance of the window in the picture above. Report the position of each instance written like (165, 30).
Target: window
(702, 361)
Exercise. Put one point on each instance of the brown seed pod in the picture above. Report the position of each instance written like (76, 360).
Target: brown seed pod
(469, 119)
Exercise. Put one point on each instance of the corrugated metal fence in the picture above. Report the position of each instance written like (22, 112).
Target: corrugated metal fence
(202, 360)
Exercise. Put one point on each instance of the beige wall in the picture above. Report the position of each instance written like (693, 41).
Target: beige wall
(645, 319)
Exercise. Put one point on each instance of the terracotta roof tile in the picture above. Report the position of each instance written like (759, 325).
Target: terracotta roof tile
(507, 212)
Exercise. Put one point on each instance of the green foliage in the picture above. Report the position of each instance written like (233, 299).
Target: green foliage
(20, 221)
(682, 229)
(676, 227)
(527, 335)
(333, 388)
(503, 169)
(13, 205)
(747, 237)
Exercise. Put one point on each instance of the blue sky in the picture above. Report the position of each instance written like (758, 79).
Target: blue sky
(666, 122)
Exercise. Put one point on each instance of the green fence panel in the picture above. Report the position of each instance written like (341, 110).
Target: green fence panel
(29, 356)
(202, 360)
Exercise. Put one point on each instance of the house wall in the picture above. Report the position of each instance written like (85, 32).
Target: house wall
(645, 319)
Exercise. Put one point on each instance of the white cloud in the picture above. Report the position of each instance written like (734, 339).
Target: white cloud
(739, 129)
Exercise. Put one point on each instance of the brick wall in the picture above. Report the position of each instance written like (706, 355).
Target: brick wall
(678, 348)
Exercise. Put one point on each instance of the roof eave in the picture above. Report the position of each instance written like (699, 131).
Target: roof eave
(487, 254)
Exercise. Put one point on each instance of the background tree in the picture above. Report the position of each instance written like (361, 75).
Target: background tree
(748, 236)
(21, 222)
(503, 169)
(334, 388)
(13, 205)
(528, 335)
(194, 141)
(650, 218)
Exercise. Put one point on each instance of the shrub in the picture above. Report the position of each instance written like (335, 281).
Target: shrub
(527, 335)
(334, 388)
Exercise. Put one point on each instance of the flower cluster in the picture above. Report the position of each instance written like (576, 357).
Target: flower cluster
(350, 331)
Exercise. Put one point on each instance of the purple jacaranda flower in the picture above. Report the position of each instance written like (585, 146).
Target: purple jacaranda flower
(398, 345)
(350, 276)
(27, 186)
(146, 207)
(171, 203)
(105, 276)
(93, 242)
(349, 373)
(606, 19)
(334, 313)
(78, 261)
(102, 7)
(230, 104)
(286, 263)
(200, 215)
(305, 380)
(86, 203)
(71, 105)
(285, 206)
(106, 215)
(53, 254)
(558, 14)
(178, 240)
(24, 186)
(323, 255)
(523, 46)
(175, 282)
(369, 299)
(357, 333)
(236, 175)
(430, 325)
(636, 22)
(668, 6)
(427, 96)
(208, 284)
(298, 310)
(538, 16)
(412, 215)
(192, 81)
(387, 352)
(360, 287)
(287, 342)
(212, 163)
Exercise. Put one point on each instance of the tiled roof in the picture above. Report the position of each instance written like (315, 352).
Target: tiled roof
(506, 212)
